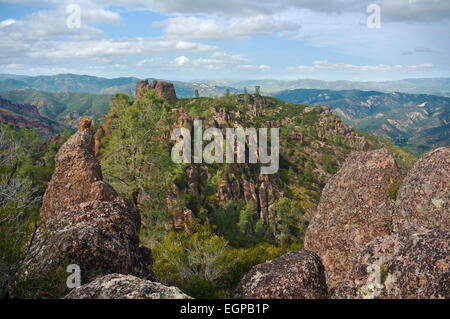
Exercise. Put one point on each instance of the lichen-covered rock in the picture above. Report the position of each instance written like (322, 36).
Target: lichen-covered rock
(295, 275)
(100, 237)
(410, 264)
(76, 174)
(117, 286)
(355, 207)
(423, 198)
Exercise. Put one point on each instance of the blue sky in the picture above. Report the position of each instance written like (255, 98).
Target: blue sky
(234, 39)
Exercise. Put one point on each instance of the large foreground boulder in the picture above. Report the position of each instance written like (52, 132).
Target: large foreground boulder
(423, 198)
(410, 264)
(355, 207)
(295, 275)
(117, 286)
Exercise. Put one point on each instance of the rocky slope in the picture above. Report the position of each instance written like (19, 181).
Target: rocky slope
(313, 145)
(418, 122)
(27, 116)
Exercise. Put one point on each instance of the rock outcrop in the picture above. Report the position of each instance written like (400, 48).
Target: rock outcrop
(410, 264)
(117, 286)
(163, 89)
(84, 220)
(77, 176)
(423, 198)
(355, 207)
(295, 275)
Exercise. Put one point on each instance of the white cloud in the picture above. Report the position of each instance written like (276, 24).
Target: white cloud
(6, 23)
(181, 60)
(220, 29)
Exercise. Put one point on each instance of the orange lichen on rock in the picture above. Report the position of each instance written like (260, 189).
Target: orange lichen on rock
(85, 124)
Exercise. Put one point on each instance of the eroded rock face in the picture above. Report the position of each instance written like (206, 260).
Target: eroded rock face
(411, 264)
(117, 286)
(163, 89)
(423, 198)
(355, 207)
(76, 176)
(295, 275)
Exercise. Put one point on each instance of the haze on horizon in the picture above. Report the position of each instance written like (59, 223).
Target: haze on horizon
(233, 40)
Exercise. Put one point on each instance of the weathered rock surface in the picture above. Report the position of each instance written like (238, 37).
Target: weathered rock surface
(163, 89)
(101, 237)
(295, 275)
(423, 198)
(355, 207)
(117, 286)
(410, 264)
(76, 177)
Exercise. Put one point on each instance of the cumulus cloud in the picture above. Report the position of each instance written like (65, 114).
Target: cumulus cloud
(213, 29)
(181, 60)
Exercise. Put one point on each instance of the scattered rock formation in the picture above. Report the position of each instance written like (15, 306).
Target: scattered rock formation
(423, 198)
(295, 275)
(117, 286)
(410, 264)
(355, 207)
(163, 89)
(85, 222)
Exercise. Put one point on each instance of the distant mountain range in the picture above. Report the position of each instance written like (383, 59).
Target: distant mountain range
(417, 122)
(99, 85)
(435, 86)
